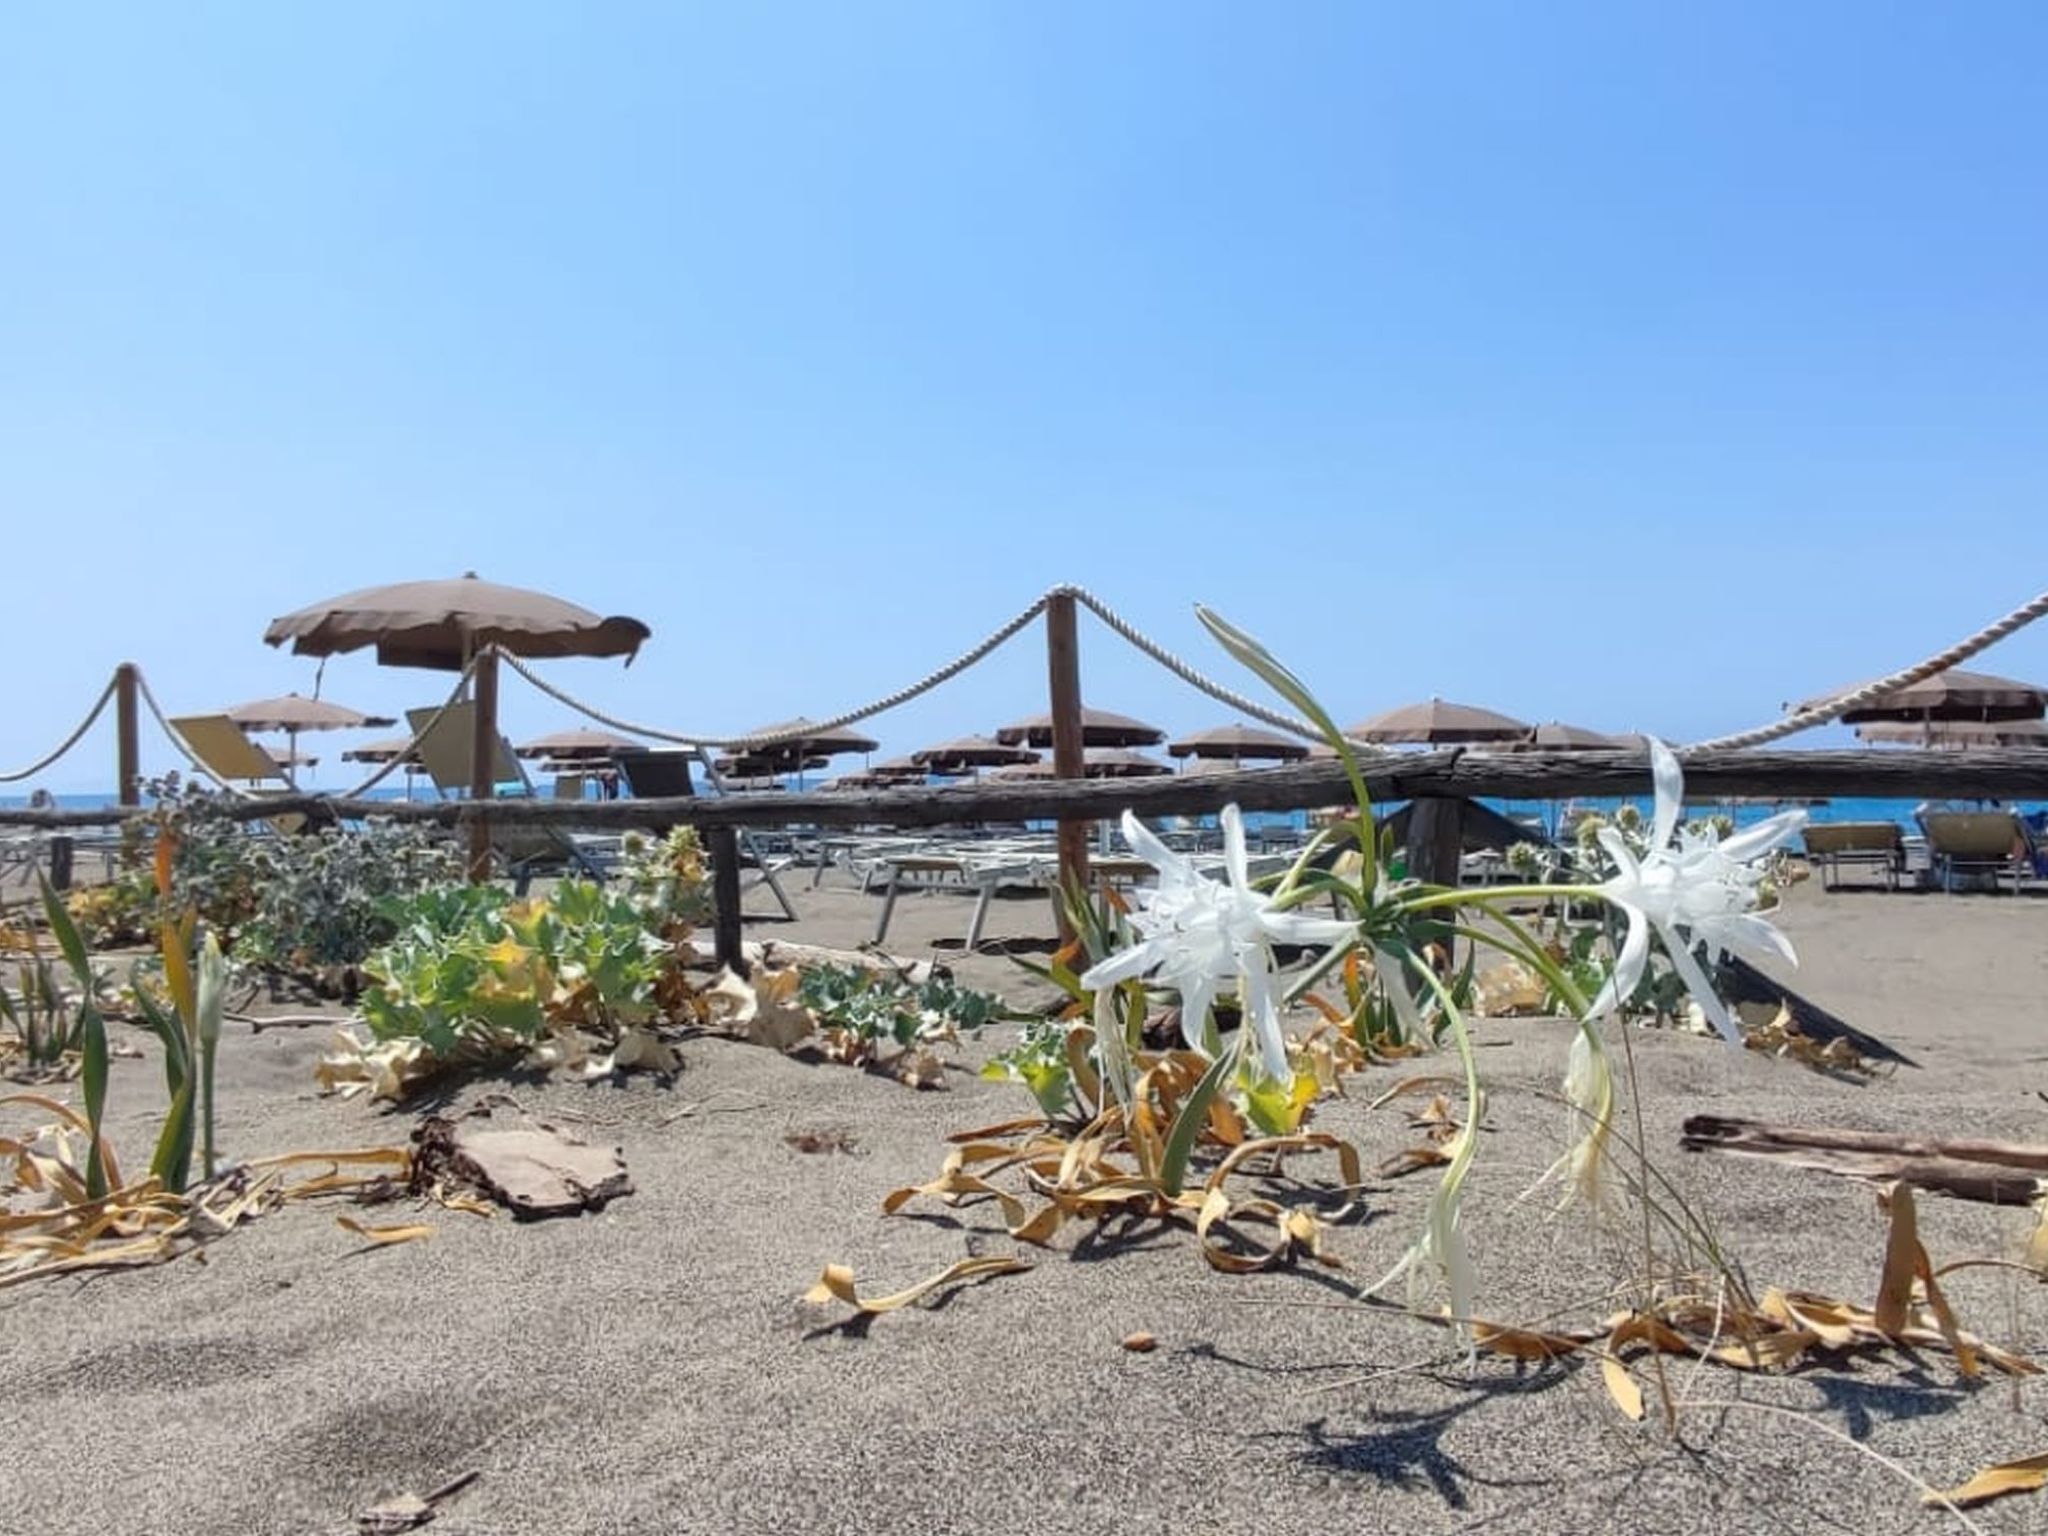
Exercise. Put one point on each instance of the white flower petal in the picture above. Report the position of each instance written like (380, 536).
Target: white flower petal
(1149, 848)
(1122, 965)
(1627, 974)
(1235, 860)
(1668, 779)
(1702, 990)
(1754, 842)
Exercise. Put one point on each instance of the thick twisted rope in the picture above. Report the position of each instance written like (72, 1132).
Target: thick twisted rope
(67, 744)
(901, 696)
(178, 739)
(412, 743)
(1841, 704)
(1125, 629)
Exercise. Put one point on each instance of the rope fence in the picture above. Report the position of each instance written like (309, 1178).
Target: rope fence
(91, 715)
(1794, 721)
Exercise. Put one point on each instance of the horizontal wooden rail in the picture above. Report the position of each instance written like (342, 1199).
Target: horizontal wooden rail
(2016, 774)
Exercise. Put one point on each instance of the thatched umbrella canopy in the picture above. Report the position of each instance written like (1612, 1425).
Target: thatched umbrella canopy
(1438, 722)
(447, 624)
(969, 752)
(1555, 736)
(1099, 728)
(750, 765)
(383, 751)
(1098, 763)
(295, 713)
(441, 624)
(1240, 743)
(808, 741)
(576, 746)
(1951, 695)
(1959, 735)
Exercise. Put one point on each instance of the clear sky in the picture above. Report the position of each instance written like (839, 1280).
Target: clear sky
(1637, 365)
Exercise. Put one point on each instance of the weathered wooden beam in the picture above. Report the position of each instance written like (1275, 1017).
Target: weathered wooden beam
(2007, 774)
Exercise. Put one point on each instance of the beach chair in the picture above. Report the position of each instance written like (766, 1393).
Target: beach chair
(1877, 844)
(1992, 843)
(443, 747)
(654, 773)
(222, 746)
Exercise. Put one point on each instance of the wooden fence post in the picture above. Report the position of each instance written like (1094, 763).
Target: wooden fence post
(725, 899)
(1063, 662)
(483, 760)
(127, 737)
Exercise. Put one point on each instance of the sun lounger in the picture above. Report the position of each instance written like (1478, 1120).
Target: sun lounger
(1876, 844)
(1977, 842)
(443, 747)
(220, 744)
(653, 773)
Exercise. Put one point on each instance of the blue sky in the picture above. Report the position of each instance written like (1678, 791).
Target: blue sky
(1635, 366)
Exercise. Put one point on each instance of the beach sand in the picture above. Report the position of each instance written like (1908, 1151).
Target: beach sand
(649, 1369)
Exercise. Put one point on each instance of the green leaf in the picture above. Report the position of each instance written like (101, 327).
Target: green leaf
(1187, 1125)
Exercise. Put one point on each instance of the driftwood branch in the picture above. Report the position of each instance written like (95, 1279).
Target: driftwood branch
(1989, 1172)
(2005, 774)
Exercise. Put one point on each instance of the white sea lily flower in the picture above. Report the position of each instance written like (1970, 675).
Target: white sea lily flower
(1197, 933)
(1693, 888)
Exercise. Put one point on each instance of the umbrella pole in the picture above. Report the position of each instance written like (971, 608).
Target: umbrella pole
(1063, 664)
(483, 760)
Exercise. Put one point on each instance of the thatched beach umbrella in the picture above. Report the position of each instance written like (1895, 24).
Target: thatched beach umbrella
(965, 753)
(383, 751)
(1099, 728)
(1097, 763)
(576, 746)
(1951, 695)
(1957, 735)
(752, 766)
(1437, 722)
(294, 713)
(447, 624)
(1239, 743)
(1555, 736)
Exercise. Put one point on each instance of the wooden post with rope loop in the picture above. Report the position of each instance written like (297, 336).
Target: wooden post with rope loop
(1063, 663)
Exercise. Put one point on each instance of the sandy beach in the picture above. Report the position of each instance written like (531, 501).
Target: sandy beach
(650, 1368)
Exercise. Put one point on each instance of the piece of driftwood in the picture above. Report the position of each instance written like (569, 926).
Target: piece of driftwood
(532, 1170)
(1989, 1172)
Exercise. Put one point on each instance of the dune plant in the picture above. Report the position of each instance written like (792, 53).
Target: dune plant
(1675, 888)
(195, 976)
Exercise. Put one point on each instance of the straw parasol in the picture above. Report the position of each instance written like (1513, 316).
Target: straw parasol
(1098, 763)
(576, 746)
(1951, 695)
(1239, 743)
(383, 751)
(289, 758)
(1099, 728)
(441, 624)
(1555, 736)
(294, 713)
(809, 741)
(447, 624)
(1438, 722)
(1200, 766)
(749, 765)
(1959, 735)
(969, 752)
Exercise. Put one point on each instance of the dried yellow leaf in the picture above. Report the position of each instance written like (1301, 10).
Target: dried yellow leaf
(384, 1237)
(1621, 1386)
(2022, 1476)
